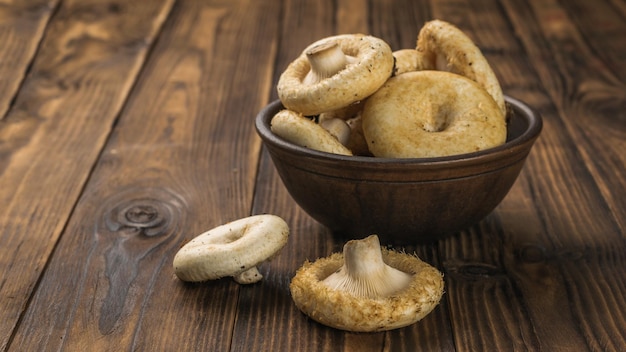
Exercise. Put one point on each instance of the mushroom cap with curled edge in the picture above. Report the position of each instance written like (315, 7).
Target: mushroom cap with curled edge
(297, 129)
(233, 249)
(367, 288)
(335, 72)
(445, 47)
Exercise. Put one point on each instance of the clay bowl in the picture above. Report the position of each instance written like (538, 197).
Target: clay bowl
(404, 201)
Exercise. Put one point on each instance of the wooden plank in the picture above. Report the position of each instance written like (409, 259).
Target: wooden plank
(55, 131)
(408, 17)
(22, 25)
(592, 101)
(588, 239)
(181, 160)
(302, 24)
(527, 251)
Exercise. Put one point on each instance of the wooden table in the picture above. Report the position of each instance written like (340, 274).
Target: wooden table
(127, 128)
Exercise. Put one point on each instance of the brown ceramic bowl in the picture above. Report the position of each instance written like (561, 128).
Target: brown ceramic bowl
(404, 201)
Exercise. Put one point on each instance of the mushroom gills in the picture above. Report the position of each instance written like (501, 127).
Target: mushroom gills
(364, 273)
(400, 298)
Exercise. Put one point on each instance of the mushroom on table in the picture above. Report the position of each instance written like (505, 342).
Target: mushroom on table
(367, 288)
(233, 249)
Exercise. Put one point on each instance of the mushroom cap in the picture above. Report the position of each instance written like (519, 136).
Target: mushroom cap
(358, 80)
(429, 114)
(343, 310)
(232, 248)
(299, 130)
(447, 48)
(408, 60)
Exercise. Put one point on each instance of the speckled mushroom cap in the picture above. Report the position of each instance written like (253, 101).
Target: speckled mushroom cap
(430, 114)
(359, 79)
(342, 310)
(447, 48)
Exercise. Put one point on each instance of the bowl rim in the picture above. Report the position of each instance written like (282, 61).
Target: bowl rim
(535, 125)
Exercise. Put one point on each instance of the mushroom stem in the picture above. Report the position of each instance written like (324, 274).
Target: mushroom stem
(338, 128)
(326, 60)
(249, 276)
(364, 273)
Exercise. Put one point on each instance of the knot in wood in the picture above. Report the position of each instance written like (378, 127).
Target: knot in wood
(479, 269)
(473, 270)
(144, 213)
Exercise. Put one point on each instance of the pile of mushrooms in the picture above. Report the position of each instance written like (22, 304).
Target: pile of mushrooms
(352, 95)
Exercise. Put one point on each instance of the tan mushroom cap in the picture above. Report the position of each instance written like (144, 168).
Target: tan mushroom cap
(447, 48)
(430, 114)
(344, 310)
(369, 65)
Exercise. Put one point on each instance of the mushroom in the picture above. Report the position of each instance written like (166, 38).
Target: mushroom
(297, 129)
(445, 47)
(367, 288)
(335, 72)
(408, 60)
(233, 249)
(338, 128)
(425, 114)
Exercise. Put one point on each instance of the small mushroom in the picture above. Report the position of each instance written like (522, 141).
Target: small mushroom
(233, 249)
(344, 113)
(299, 130)
(408, 60)
(338, 128)
(357, 142)
(335, 72)
(367, 288)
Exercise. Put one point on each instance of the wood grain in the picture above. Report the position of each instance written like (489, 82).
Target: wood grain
(127, 128)
(526, 252)
(55, 130)
(22, 25)
(165, 160)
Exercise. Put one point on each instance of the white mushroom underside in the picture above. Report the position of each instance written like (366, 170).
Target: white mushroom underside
(365, 274)
(345, 311)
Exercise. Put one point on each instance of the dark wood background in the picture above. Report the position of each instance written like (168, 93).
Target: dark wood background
(126, 129)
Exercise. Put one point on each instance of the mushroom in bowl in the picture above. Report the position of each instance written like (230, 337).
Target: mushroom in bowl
(431, 147)
(403, 200)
